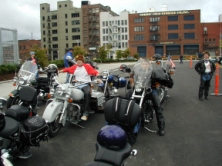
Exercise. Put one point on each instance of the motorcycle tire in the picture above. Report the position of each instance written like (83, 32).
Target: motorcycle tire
(54, 127)
(12, 101)
(162, 94)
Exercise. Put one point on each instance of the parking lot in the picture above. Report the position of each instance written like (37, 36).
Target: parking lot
(193, 132)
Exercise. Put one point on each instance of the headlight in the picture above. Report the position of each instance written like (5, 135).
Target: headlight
(138, 88)
(59, 90)
(21, 81)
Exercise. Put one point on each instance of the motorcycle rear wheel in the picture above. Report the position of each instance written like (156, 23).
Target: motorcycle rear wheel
(54, 127)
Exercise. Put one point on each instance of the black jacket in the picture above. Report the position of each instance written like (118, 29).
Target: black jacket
(200, 67)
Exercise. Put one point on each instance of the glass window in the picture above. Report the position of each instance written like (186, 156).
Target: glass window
(66, 30)
(154, 37)
(125, 22)
(104, 23)
(154, 28)
(125, 29)
(138, 20)
(189, 35)
(126, 37)
(43, 18)
(54, 38)
(136, 29)
(74, 15)
(154, 19)
(55, 46)
(173, 36)
(66, 15)
(54, 17)
(66, 22)
(75, 22)
(172, 18)
(122, 37)
(67, 38)
(122, 30)
(189, 17)
(214, 41)
(54, 24)
(189, 26)
(172, 27)
(75, 29)
(75, 37)
(138, 37)
(122, 22)
(54, 32)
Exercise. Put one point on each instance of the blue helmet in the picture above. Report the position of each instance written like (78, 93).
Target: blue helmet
(112, 137)
(32, 53)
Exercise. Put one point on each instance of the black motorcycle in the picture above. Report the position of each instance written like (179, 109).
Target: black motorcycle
(20, 128)
(112, 148)
(27, 77)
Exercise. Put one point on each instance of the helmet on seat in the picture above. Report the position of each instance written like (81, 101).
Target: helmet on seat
(52, 68)
(112, 137)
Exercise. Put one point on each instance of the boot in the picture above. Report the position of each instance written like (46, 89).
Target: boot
(161, 132)
(206, 93)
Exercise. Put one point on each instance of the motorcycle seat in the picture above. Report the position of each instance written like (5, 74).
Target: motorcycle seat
(11, 126)
(17, 112)
(42, 79)
(113, 157)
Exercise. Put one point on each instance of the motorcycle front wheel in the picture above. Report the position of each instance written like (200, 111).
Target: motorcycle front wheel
(54, 127)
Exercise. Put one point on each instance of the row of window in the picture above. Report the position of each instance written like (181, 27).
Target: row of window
(209, 41)
(66, 45)
(56, 31)
(74, 37)
(54, 17)
(114, 23)
(54, 24)
(118, 45)
(117, 37)
(115, 30)
(169, 18)
(170, 36)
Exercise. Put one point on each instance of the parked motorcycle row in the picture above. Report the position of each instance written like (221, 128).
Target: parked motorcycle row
(22, 128)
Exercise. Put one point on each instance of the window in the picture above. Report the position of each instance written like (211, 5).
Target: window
(104, 23)
(189, 36)
(43, 8)
(138, 37)
(189, 26)
(60, 6)
(66, 15)
(125, 29)
(104, 39)
(122, 30)
(189, 17)
(118, 22)
(54, 38)
(75, 29)
(65, 5)
(125, 22)
(75, 22)
(54, 24)
(74, 15)
(126, 37)
(104, 31)
(122, 22)
(210, 41)
(173, 36)
(54, 32)
(76, 37)
(154, 37)
(154, 28)
(85, 33)
(43, 32)
(66, 30)
(54, 17)
(138, 20)
(66, 22)
(191, 49)
(122, 37)
(43, 18)
(154, 19)
(43, 39)
(43, 25)
(172, 27)
(136, 29)
(67, 38)
(172, 18)
(67, 45)
(55, 46)
(214, 41)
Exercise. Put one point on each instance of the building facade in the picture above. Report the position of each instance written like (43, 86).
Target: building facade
(91, 26)
(25, 46)
(60, 29)
(114, 31)
(165, 33)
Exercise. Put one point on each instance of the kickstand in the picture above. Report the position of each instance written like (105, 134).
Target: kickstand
(152, 131)
(79, 125)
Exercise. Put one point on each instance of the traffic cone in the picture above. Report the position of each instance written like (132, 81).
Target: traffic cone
(191, 63)
(217, 79)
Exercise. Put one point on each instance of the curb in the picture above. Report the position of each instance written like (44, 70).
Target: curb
(2, 82)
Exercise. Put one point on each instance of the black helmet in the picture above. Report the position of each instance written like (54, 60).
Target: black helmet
(157, 57)
(112, 137)
(52, 68)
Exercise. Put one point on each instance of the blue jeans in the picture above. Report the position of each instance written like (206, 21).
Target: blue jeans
(67, 78)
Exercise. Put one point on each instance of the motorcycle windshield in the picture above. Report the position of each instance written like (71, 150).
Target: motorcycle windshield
(28, 71)
(142, 73)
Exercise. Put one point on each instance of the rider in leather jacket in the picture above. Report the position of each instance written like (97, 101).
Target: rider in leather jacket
(153, 96)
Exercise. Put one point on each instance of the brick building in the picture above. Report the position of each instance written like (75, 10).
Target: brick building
(165, 32)
(25, 47)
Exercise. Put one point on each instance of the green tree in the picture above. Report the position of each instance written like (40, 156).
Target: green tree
(41, 55)
(79, 50)
(118, 54)
(136, 56)
(103, 51)
(126, 53)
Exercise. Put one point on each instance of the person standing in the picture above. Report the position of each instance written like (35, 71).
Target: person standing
(181, 58)
(68, 56)
(205, 68)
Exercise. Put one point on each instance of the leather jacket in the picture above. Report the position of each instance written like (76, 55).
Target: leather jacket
(200, 67)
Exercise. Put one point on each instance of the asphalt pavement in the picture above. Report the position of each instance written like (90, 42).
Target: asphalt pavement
(193, 132)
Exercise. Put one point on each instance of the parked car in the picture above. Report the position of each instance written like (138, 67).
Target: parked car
(122, 67)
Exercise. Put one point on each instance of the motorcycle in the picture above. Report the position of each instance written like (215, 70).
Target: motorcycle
(27, 77)
(26, 74)
(112, 147)
(20, 129)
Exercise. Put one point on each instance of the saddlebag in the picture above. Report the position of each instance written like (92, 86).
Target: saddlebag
(34, 130)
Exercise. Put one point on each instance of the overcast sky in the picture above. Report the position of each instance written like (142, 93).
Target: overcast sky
(24, 15)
